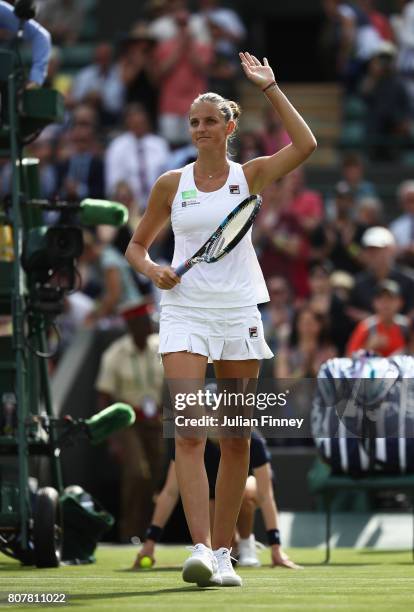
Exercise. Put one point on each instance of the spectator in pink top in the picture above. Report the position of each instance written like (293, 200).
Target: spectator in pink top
(305, 204)
(274, 136)
(182, 63)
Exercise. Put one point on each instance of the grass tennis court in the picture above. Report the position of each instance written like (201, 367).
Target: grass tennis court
(356, 580)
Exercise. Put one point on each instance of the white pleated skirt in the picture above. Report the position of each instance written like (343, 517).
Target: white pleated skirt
(217, 333)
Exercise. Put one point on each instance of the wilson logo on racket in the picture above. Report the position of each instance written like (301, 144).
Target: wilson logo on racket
(234, 188)
(228, 235)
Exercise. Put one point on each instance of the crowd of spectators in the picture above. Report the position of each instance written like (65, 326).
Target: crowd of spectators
(339, 267)
(372, 55)
(340, 276)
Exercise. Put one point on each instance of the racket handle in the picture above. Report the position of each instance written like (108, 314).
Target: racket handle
(182, 269)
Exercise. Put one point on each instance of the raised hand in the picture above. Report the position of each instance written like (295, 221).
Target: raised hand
(259, 74)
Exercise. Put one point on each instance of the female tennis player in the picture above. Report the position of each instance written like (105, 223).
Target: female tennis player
(211, 312)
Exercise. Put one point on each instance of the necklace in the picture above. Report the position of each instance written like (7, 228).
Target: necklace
(210, 176)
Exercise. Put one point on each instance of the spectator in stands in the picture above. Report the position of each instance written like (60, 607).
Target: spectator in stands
(63, 19)
(308, 346)
(249, 146)
(403, 227)
(182, 65)
(353, 171)
(405, 38)
(338, 239)
(278, 313)
(379, 259)
(273, 135)
(42, 149)
(119, 237)
(342, 285)
(369, 211)
(334, 41)
(380, 21)
(224, 66)
(229, 20)
(282, 241)
(386, 332)
(100, 84)
(107, 277)
(81, 175)
(388, 121)
(164, 26)
(138, 70)
(330, 304)
(137, 156)
(355, 40)
(305, 204)
(131, 372)
(56, 79)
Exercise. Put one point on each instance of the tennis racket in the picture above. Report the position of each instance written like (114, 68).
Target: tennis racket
(227, 235)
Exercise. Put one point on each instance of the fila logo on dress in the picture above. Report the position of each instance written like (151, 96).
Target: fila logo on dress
(253, 332)
(234, 188)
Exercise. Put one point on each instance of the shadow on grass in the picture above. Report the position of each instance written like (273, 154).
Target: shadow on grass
(333, 563)
(384, 552)
(129, 570)
(155, 593)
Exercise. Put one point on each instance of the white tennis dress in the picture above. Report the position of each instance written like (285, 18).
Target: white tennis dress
(213, 311)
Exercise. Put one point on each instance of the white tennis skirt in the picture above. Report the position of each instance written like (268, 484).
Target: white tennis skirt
(217, 333)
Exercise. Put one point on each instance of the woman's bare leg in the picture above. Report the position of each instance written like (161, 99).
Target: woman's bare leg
(189, 451)
(234, 462)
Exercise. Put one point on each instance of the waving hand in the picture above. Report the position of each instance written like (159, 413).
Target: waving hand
(259, 74)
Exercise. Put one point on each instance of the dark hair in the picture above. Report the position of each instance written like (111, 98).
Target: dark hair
(324, 333)
(230, 110)
(352, 159)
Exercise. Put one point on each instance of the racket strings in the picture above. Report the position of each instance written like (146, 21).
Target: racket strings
(233, 227)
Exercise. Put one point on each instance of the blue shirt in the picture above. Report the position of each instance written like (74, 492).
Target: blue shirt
(33, 33)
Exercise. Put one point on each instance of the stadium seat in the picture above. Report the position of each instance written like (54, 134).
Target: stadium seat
(322, 482)
(354, 108)
(77, 56)
(352, 135)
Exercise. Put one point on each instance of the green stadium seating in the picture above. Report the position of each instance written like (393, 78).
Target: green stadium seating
(322, 482)
(354, 108)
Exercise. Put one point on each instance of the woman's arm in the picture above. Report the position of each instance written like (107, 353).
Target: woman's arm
(265, 496)
(155, 217)
(166, 503)
(267, 503)
(262, 171)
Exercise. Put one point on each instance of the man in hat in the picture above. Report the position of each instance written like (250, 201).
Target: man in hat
(379, 257)
(386, 332)
(131, 372)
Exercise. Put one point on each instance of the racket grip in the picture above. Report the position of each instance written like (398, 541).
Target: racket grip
(182, 269)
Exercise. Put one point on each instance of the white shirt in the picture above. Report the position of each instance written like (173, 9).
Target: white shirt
(109, 86)
(402, 229)
(235, 280)
(123, 163)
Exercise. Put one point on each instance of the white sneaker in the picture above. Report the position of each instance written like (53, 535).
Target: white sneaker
(247, 552)
(201, 567)
(225, 568)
